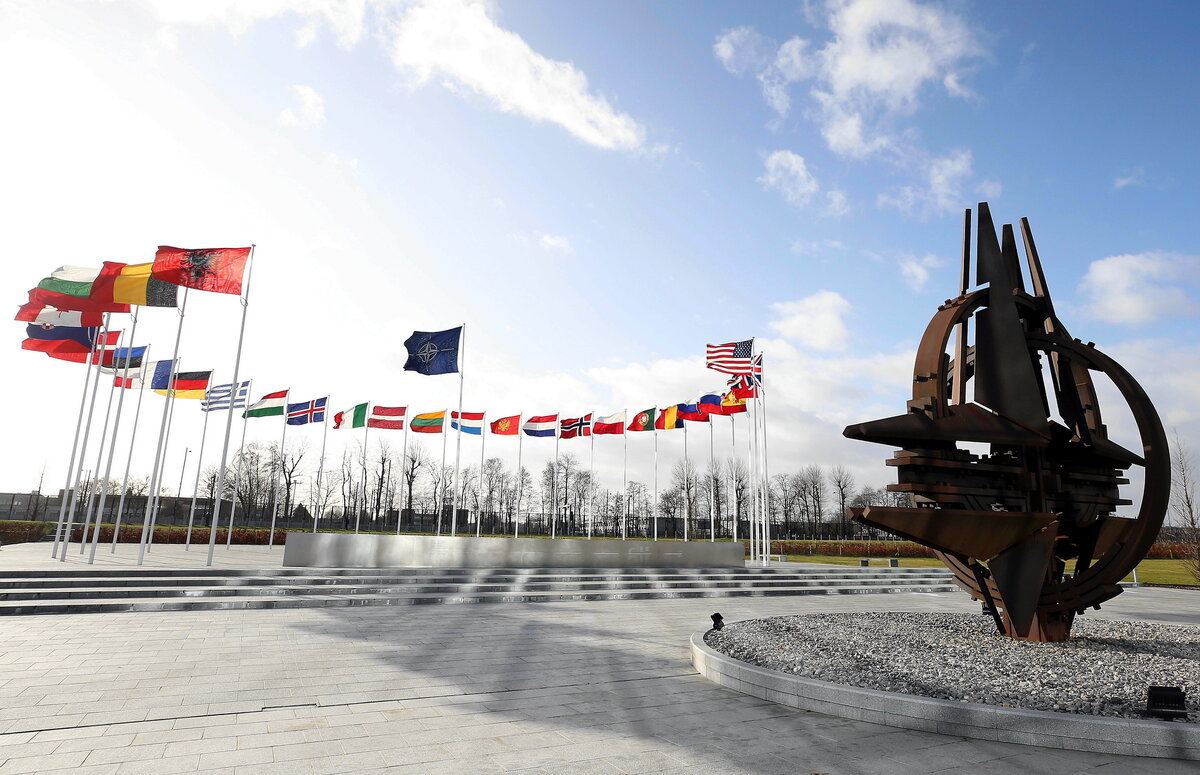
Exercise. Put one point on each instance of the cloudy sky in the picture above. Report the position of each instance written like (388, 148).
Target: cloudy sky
(597, 190)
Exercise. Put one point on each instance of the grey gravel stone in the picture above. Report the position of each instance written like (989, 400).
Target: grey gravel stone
(1103, 670)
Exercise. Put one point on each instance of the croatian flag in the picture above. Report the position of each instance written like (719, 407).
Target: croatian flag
(542, 425)
(470, 422)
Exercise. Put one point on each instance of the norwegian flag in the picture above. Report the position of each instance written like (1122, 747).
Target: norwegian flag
(576, 426)
(730, 357)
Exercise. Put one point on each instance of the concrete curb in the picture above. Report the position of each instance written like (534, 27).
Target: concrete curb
(1127, 737)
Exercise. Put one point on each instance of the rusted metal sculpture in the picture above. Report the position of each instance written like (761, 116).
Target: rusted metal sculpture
(1008, 522)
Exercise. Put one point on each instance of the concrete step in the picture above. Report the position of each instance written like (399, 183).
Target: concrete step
(210, 603)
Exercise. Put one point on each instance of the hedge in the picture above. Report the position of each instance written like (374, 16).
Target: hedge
(1163, 550)
(15, 532)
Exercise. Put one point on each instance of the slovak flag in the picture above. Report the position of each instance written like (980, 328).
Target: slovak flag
(542, 425)
(576, 426)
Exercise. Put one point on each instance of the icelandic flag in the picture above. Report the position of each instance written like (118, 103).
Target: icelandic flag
(542, 425)
(306, 411)
(470, 422)
(433, 352)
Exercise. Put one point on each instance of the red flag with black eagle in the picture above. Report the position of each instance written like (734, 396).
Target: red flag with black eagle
(211, 269)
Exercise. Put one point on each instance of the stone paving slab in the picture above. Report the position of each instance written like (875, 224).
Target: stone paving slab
(603, 687)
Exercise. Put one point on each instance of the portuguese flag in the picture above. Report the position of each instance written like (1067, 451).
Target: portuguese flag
(351, 418)
(270, 405)
(643, 421)
(428, 423)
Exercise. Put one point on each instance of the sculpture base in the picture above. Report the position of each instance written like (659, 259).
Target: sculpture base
(346, 550)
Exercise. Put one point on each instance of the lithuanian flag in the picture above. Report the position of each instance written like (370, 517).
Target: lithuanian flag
(428, 423)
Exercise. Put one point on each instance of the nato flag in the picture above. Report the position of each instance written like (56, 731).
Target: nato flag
(433, 352)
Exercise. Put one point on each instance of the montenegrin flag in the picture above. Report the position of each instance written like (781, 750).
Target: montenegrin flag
(270, 405)
(470, 422)
(430, 422)
(614, 424)
(542, 425)
(507, 426)
(643, 421)
(209, 269)
(388, 418)
(355, 417)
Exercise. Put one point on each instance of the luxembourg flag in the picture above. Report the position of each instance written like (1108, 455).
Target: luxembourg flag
(470, 422)
(543, 425)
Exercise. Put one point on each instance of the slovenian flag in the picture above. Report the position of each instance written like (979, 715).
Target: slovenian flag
(469, 422)
(542, 425)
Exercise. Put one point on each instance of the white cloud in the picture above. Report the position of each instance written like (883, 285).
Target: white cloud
(942, 192)
(743, 50)
(308, 113)
(347, 20)
(836, 204)
(458, 40)
(1136, 178)
(989, 189)
(915, 270)
(802, 248)
(814, 321)
(1132, 289)
(555, 243)
(788, 174)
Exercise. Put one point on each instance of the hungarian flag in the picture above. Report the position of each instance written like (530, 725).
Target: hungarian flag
(576, 426)
(470, 422)
(218, 270)
(428, 423)
(136, 284)
(643, 421)
(389, 418)
(542, 425)
(355, 417)
(33, 312)
(613, 424)
(270, 405)
(188, 384)
(507, 426)
(668, 419)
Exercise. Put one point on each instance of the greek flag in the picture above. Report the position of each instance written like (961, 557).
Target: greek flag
(220, 397)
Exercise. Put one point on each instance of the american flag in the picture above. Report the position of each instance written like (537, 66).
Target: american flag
(731, 357)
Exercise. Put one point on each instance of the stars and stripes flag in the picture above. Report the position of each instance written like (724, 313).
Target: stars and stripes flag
(730, 357)
(389, 418)
(222, 397)
(307, 411)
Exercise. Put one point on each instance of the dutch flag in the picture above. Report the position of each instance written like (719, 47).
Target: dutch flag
(543, 425)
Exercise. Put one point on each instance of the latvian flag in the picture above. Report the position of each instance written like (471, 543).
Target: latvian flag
(542, 425)
(306, 411)
(470, 422)
(270, 405)
(730, 357)
(613, 424)
(576, 426)
(355, 417)
(389, 418)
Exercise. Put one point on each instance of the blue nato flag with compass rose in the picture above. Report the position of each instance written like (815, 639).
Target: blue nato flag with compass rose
(433, 352)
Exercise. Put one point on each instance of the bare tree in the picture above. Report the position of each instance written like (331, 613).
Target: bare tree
(843, 485)
(1184, 505)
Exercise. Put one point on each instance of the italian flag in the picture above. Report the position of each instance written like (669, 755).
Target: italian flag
(270, 405)
(351, 418)
(428, 423)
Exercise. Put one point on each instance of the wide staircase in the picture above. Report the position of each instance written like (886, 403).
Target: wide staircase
(96, 591)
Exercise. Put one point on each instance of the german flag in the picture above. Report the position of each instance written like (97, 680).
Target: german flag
(188, 384)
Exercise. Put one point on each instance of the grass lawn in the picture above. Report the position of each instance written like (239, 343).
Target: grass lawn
(1172, 572)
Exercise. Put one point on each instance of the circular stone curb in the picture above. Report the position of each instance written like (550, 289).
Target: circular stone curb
(1069, 731)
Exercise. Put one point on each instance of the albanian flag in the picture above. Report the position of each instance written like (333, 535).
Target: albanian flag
(212, 269)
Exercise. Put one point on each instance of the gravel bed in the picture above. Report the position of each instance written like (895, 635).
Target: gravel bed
(1103, 670)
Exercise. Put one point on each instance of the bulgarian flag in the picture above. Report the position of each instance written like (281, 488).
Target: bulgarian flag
(643, 421)
(355, 417)
(428, 423)
(270, 405)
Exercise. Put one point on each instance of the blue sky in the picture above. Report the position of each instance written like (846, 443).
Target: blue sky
(598, 189)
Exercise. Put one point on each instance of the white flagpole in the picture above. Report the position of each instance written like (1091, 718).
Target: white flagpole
(279, 477)
(482, 445)
(655, 432)
(187, 544)
(321, 466)
(62, 502)
(591, 478)
(237, 362)
(752, 484)
(687, 478)
(182, 471)
(624, 480)
(162, 426)
(520, 480)
(403, 469)
(92, 496)
(132, 438)
(112, 450)
(712, 486)
(766, 476)
(554, 486)
(731, 496)
(166, 440)
(98, 348)
(237, 471)
(365, 494)
(462, 364)
(441, 504)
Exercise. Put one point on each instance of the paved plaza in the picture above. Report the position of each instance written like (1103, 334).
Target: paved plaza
(579, 688)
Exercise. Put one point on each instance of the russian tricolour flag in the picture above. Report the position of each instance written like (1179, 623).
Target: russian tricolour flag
(544, 425)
